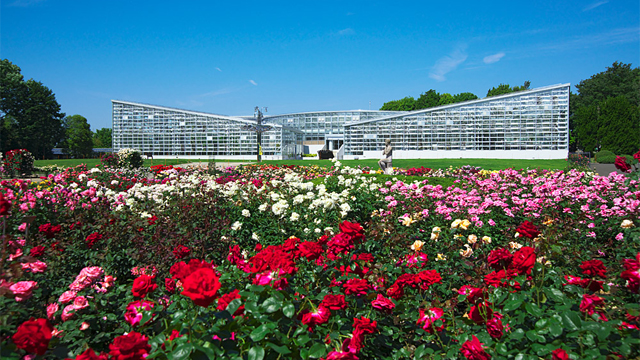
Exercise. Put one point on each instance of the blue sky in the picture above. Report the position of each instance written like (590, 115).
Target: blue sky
(227, 57)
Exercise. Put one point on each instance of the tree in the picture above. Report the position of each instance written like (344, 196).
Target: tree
(405, 104)
(79, 138)
(427, 100)
(102, 138)
(446, 99)
(599, 120)
(506, 89)
(30, 114)
(465, 96)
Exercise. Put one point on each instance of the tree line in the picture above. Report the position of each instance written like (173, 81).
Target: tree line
(432, 98)
(605, 113)
(30, 118)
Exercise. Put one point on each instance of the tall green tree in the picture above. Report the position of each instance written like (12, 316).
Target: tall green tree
(446, 99)
(102, 138)
(405, 104)
(465, 96)
(30, 116)
(79, 138)
(596, 119)
(506, 89)
(427, 100)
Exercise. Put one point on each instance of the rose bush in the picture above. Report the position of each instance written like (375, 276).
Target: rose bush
(334, 264)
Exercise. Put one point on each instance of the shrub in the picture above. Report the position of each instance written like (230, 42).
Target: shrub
(18, 161)
(130, 158)
(309, 155)
(325, 154)
(110, 160)
(605, 157)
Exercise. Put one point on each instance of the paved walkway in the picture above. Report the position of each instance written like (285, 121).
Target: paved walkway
(604, 169)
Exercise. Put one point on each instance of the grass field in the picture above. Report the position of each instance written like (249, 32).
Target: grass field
(489, 164)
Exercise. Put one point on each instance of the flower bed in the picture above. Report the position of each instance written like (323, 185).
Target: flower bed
(268, 262)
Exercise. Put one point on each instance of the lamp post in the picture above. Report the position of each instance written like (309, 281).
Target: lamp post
(258, 128)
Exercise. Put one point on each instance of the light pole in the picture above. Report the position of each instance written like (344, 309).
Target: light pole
(258, 128)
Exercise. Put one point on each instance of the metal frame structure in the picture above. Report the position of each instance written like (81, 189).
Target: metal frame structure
(527, 124)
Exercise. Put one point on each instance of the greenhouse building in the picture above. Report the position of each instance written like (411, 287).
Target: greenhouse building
(530, 124)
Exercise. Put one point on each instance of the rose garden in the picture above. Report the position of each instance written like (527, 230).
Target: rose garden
(278, 262)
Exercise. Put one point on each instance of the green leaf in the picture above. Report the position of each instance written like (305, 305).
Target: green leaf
(511, 305)
(571, 320)
(555, 329)
(234, 305)
(317, 351)
(419, 353)
(261, 331)
(182, 351)
(283, 350)
(271, 305)
(289, 310)
(534, 336)
(555, 294)
(256, 353)
(517, 334)
(533, 309)
(207, 351)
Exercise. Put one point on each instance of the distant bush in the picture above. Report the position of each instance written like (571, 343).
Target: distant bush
(578, 161)
(605, 157)
(18, 162)
(110, 160)
(325, 154)
(309, 155)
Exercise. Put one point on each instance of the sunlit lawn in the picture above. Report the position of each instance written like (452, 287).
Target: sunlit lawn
(489, 164)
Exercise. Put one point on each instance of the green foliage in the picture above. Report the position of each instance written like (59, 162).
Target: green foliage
(604, 113)
(79, 138)
(406, 104)
(102, 138)
(465, 96)
(130, 158)
(446, 99)
(31, 117)
(427, 100)
(605, 157)
(506, 89)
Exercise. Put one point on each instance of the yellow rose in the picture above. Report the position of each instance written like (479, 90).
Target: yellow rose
(486, 240)
(472, 239)
(417, 245)
(455, 223)
(464, 224)
(626, 224)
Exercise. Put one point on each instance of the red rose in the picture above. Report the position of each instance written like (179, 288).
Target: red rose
(637, 156)
(133, 346)
(383, 304)
(37, 251)
(589, 303)
(354, 230)
(5, 205)
(318, 317)
(334, 302)
(364, 325)
(366, 257)
(499, 259)
(181, 251)
(89, 354)
(152, 220)
(341, 355)
(494, 326)
(395, 292)
(49, 230)
(559, 354)
(472, 350)
(473, 294)
(428, 278)
(407, 280)
(621, 164)
(523, 260)
(594, 268)
(143, 285)
(527, 229)
(356, 286)
(310, 250)
(340, 243)
(225, 299)
(480, 313)
(170, 285)
(91, 239)
(33, 336)
(201, 286)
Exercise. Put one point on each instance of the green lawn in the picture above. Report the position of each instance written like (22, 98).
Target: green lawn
(94, 162)
(489, 164)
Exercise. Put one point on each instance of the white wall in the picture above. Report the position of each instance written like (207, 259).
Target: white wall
(458, 154)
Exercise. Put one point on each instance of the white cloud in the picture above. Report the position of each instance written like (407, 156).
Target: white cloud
(253, 82)
(218, 69)
(595, 5)
(448, 63)
(493, 58)
(347, 31)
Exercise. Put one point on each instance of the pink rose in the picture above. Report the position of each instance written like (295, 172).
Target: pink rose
(135, 311)
(35, 267)
(67, 296)
(68, 312)
(22, 289)
(51, 310)
(84, 326)
(80, 303)
(92, 272)
(383, 304)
